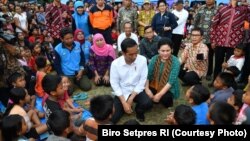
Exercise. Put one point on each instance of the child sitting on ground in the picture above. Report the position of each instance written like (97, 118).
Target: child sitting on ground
(224, 85)
(197, 96)
(236, 101)
(221, 113)
(102, 109)
(14, 128)
(60, 124)
(244, 114)
(183, 115)
(237, 59)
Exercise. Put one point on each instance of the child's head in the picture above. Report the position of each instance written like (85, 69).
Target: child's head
(66, 83)
(246, 96)
(233, 70)
(52, 85)
(17, 80)
(197, 94)
(36, 48)
(224, 80)
(59, 123)
(239, 50)
(102, 107)
(13, 126)
(19, 96)
(236, 99)
(66, 35)
(131, 122)
(221, 113)
(184, 115)
(41, 62)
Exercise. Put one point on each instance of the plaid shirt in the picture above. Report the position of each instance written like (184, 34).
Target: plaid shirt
(54, 20)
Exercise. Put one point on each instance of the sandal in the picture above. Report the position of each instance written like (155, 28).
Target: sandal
(80, 96)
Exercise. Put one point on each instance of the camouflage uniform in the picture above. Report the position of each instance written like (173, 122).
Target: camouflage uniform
(126, 15)
(203, 19)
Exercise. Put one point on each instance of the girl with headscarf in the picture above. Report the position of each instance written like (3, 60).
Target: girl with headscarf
(101, 57)
(81, 19)
(79, 36)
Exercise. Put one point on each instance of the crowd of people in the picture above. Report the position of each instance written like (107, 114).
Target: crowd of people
(49, 51)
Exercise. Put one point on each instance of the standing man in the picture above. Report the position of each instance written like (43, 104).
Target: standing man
(227, 31)
(203, 20)
(101, 18)
(58, 16)
(127, 14)
(177, 34)
(128, 84)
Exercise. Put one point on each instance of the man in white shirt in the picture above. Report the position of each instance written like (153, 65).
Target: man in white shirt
(182, 15)
(128, 75)
(126, 34)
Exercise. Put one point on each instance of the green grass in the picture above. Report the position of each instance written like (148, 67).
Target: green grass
(155, 116)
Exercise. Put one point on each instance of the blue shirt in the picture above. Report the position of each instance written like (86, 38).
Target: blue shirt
(68, 62)
(201, 113)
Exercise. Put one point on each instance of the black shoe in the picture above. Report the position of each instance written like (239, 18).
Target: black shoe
(140, 117)
(208, 77)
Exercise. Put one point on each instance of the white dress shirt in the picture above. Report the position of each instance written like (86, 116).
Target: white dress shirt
(122, 36)
(183, 16)
(125, 79)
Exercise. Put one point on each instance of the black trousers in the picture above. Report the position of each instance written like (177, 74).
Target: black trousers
(221, 54)
(189, 78)
(210, 60)
(176, 38)
(143, 103)
(246, 66)
(106, 34)
(166, 99)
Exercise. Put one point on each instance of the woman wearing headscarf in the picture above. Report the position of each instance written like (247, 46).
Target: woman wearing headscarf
(81, 19)
(101, 57)
(79, 36)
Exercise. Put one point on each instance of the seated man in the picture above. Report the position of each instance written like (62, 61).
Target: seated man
(128, 76)
(148, 45)
(69, 60)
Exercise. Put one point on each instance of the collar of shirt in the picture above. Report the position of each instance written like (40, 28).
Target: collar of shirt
(73, 46)
(123, 62)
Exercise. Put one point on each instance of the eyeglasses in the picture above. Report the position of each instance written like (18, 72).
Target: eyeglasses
(80, 7)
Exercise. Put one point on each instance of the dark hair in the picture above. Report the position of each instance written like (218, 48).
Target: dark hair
(127, 43)
(101, 107)
(14, 76)
(131, 122)
(198, 29)
(65, 31)
(16, 94)
(238, 98)
(234, 70)
(147, 27)
(11, 126)
(199, 94)
(227, 80)
(58, 121)
(222, 113)
(161, 1)
(184, 115)
(41, 62)
(242, 47)
(50, 83)
(165, 41)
